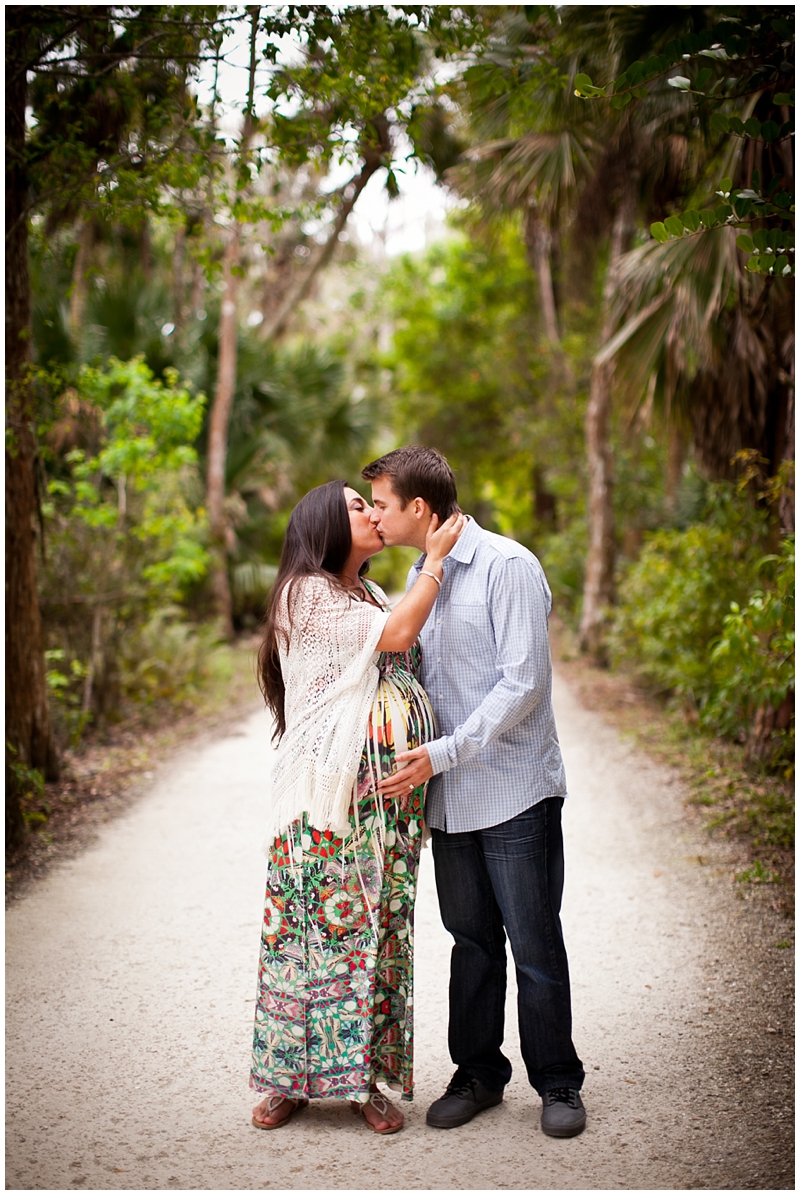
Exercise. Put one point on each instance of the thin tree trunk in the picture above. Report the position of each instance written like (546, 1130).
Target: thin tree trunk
(218, 433)
(786, 501)
(28, 730)
(80, 280)
(178, 278)
(220, 418)
(598, 590)
(675, 458)
(538, 242)
(276, 326)
(539, 246)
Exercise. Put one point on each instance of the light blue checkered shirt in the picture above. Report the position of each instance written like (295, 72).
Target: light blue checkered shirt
(486, 668)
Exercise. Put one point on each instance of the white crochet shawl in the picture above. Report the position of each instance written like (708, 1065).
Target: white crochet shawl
(329, 668)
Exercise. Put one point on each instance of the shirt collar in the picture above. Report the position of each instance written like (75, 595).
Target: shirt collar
(464, 548)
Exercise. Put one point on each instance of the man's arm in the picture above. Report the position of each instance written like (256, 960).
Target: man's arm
(519, 610)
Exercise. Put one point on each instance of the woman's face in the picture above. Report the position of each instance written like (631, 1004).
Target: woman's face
(366, 541)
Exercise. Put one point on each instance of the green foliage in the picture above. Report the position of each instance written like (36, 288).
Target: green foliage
(752, 661)
(133, 490)
(704, 614)
(473, 375)
(746, 56)
(166, 661)
(29, 783)
(66, 692)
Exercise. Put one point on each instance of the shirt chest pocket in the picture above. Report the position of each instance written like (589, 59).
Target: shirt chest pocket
(469, 634)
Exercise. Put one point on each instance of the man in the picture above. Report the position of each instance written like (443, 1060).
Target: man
(496, 789)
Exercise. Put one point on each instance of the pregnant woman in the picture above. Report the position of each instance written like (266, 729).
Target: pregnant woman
(338, 671)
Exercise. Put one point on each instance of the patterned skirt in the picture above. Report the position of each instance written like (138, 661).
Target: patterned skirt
(334, 1010)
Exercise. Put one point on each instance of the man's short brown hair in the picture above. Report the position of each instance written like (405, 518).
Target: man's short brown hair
(418, 472)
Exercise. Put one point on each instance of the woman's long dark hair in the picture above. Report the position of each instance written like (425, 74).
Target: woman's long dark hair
(317, 544)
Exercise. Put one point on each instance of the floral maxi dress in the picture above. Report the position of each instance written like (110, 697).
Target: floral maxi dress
(334, 1003)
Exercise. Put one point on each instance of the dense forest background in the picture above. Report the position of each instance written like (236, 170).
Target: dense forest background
(601, 342)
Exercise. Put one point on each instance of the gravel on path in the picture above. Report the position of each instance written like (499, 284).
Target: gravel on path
(131, 982)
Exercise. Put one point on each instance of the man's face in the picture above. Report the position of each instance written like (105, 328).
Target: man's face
(397, 525)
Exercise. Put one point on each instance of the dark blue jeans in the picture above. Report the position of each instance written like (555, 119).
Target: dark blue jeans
(508, 879)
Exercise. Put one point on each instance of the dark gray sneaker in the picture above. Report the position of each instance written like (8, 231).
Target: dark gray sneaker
(563, 1114)
(465, 1097)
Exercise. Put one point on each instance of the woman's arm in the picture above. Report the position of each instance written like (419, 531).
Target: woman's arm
(409, 616)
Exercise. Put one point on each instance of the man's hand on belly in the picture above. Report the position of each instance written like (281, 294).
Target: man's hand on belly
(413, 769)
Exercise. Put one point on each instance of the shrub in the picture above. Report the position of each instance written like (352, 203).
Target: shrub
(706, 615)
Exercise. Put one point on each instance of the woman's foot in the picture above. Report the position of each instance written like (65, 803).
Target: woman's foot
(274, 1111)
(381, 1115)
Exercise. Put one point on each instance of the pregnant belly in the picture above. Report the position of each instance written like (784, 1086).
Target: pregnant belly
(402, 714)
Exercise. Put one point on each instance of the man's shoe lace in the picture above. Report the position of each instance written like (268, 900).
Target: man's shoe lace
(463, 1085)
(563, 1095)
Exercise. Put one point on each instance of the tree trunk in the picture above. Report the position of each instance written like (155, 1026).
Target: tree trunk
(218, 434)
(275, 327)
(28, 730)
(178, 279)
(675, 459)
(539, 246)
(226, 382)
(538, 242)
(598, 590)
(80, 281)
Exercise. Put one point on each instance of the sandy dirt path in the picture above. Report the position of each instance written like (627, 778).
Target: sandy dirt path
(130, 993)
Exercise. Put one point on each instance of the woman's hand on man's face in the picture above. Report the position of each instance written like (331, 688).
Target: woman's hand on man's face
(441, 540)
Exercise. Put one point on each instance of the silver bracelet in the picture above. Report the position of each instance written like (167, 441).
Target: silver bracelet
(424, 572)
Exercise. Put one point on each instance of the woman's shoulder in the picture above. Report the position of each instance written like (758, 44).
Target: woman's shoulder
(376, 591)
(302, 595)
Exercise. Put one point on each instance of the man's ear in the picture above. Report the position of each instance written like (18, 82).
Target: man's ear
(421, 509)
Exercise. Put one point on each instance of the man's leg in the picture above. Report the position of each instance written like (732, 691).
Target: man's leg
(478, 961)
(525, 860)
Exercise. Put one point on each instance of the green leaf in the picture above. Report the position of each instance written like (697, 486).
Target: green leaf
(726, 185)
(784, 98)
(781, 26)
(761, 239)
(735, 125)
(674, 226)
(672, 51)
(753, 264)
(659, 232)
(640, 92)
(680, 82)
(582, 82)
(708, 217)
(755, 179)
(691, 43)
(723, 212)
(653, 65)
(786, 129)
(745, 243)
(783, 199)
(691, 219)
(752, 127)
(742, 207)
(769, 130)
(719, 123)
(781, 264)
(703, 78)
(621, 101)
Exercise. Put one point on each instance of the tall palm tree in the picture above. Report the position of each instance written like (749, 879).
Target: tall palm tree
(586, 172)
